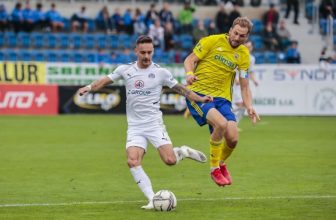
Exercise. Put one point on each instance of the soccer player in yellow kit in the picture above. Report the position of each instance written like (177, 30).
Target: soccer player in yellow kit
(211, 70)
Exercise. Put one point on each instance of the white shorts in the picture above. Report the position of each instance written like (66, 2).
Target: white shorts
(237, 98)
(139, 136)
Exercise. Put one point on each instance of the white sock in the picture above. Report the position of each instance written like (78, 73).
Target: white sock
(178, 154)
(239, 114)
(143, 181)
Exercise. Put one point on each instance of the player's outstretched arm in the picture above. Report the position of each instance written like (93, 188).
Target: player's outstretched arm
(247, 99)
(189, 65)
(96, 85)
(182, 90)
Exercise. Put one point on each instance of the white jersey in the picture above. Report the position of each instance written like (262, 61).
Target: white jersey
(143, 91)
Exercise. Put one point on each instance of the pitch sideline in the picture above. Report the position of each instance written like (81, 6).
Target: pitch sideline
(189, 199)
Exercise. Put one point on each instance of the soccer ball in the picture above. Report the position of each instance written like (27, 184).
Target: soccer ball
(164, 200)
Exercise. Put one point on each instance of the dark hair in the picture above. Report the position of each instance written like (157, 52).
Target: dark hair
(142, 39)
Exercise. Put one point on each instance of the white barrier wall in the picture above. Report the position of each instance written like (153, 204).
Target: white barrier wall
(295, 90)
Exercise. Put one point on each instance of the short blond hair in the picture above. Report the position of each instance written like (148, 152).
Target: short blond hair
(244, 22)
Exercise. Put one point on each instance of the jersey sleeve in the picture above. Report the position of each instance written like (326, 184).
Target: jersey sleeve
(244, 64)
(203, 46)
(117, 73)
(168, 79)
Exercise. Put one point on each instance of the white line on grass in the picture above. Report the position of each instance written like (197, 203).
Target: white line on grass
(186, 199)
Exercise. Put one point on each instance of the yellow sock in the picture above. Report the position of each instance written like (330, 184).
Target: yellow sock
(225, 152)
(215, 152)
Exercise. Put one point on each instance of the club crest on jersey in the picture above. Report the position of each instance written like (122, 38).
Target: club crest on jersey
(139, 84)
(151, 75)
(236, 56)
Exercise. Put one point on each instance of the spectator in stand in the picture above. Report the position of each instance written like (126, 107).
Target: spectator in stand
(222, 20)
(326, 8)
(212, 28)
(39, 17)
(284, 35)
(79, 21)
(270, 37)
(186, 17)
(166, 15)
(199, 31)
(55, 19)
(139, 23)
(234, 13)
(104, 21)
(4, 18)
(156, 32)
(271, 16)
(295, 5)
(28, 18)
(169, 42)
(128, 22)
(118, 21)
(151, 15)
(17, 18)
(293, 54)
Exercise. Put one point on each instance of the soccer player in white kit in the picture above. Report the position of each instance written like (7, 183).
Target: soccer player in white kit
(144, 81)
(239, 108)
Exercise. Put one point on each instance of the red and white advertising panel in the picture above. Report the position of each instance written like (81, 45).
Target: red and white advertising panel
(28, 99)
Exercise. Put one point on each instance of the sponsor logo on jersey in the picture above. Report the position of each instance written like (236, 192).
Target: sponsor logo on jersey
(139, 84)
(138, 92)
(226, 62)
(151, 75)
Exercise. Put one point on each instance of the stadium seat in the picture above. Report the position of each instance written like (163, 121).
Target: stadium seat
(24, 40)
(257, 41)
(260, 58)
(89, 41)
(103, 42)
(186, 41)
(51, 41)
(91, 25)
(39, 56)
(51, 56)
(11, 39)
(77, 41)
(78, 57)
(258, 27)
(271, 57)
(125, 41)
(38, 40)
(90, 57)
(25, 55)
(64, 56)
(12, 55)
(113, 41)
(63, 41)
(2, 55)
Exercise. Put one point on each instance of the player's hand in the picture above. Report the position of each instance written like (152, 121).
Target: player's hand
(253, 115)
(206, 98)
(191, 78)
(84, 90)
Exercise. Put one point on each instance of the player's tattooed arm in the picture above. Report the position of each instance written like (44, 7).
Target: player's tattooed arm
(182, 90)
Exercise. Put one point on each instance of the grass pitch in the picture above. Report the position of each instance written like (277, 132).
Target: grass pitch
(74, 167)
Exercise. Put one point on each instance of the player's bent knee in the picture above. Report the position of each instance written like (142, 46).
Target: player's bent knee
(133, 162)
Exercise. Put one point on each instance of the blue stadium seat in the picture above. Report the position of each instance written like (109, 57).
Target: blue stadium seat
(271, 57)
(2, 39)
(260, 58)
(77, 41)
(12, 55)
(91, 25)
(63, 40)
(125, 41)
(24, 55)
(113, 41)
(186, 41)
(11, 39)
(38, 40)
(39, 55)
(102, 41)
(78, 57)
(24, 40)
(90, 57)
(257, 41)
(207, 22)
(2, 55)
(51, 41)
(258, 27)
(51, 56)
(89, 40)
(65, 56)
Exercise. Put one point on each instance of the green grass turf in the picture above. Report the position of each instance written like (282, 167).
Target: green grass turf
(284, 168)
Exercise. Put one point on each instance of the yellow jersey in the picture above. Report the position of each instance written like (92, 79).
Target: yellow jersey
(217, 66)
